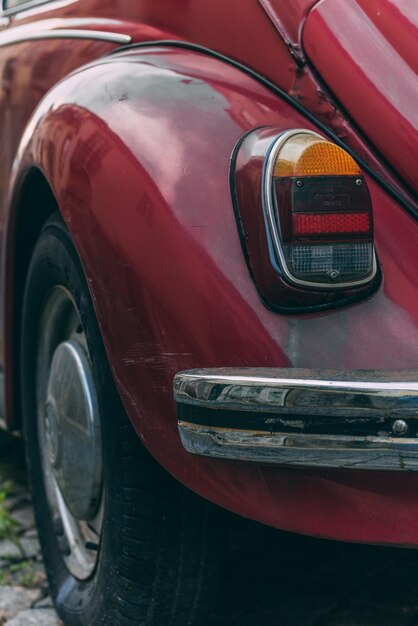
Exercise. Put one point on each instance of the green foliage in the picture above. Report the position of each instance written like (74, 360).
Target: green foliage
(22, 574)
(14, 571)
(8, 526)
(21, 571)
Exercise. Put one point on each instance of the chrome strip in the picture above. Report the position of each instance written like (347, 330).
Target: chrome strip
(25, 6)
(274, 227)
(194, 386)
(310, 451)
(366, 419)
(64, 33)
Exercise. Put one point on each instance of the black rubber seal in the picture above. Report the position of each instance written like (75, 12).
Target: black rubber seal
(273, 422)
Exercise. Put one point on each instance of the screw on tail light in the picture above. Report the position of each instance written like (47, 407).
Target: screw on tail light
(305, 218)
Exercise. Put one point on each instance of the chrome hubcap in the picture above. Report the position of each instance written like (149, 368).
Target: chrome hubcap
(72, 430)
(69, 430)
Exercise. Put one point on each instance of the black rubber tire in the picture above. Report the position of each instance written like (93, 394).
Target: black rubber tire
(160, 548)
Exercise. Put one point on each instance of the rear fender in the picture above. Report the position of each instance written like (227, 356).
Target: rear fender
(136, 149)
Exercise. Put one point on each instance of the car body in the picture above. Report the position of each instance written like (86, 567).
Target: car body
(129, 113)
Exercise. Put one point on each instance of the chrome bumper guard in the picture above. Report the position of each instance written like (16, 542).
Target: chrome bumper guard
(358, 419)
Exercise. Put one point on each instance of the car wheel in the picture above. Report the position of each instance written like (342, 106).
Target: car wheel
(123, 543)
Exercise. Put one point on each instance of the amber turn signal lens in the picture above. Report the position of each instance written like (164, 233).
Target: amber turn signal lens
(309, 155)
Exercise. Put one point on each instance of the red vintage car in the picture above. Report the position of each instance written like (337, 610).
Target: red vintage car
(209, 249)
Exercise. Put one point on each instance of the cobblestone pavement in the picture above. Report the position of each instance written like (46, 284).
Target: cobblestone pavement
(271, 578)
(24, 598)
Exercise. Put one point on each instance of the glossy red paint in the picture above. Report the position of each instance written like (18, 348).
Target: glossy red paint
(374, 71)
(288, 23)
(263, 35)
(136, 148)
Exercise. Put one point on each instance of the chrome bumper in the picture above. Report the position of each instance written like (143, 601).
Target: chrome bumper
(360, 419)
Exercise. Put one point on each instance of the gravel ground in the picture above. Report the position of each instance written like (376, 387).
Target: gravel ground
(271, 578)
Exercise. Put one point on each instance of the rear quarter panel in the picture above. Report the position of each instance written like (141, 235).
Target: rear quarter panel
(137, 149)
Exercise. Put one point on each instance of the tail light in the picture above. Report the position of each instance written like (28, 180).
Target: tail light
(320, 212)
(306, 219)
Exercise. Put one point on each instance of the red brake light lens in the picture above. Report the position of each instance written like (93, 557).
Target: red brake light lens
(305, 224)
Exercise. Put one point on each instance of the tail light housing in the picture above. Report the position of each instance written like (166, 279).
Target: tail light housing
(305, 218)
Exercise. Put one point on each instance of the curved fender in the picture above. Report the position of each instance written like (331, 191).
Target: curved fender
(136, 149)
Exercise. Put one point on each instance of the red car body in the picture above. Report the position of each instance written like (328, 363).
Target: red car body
(134, 135)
